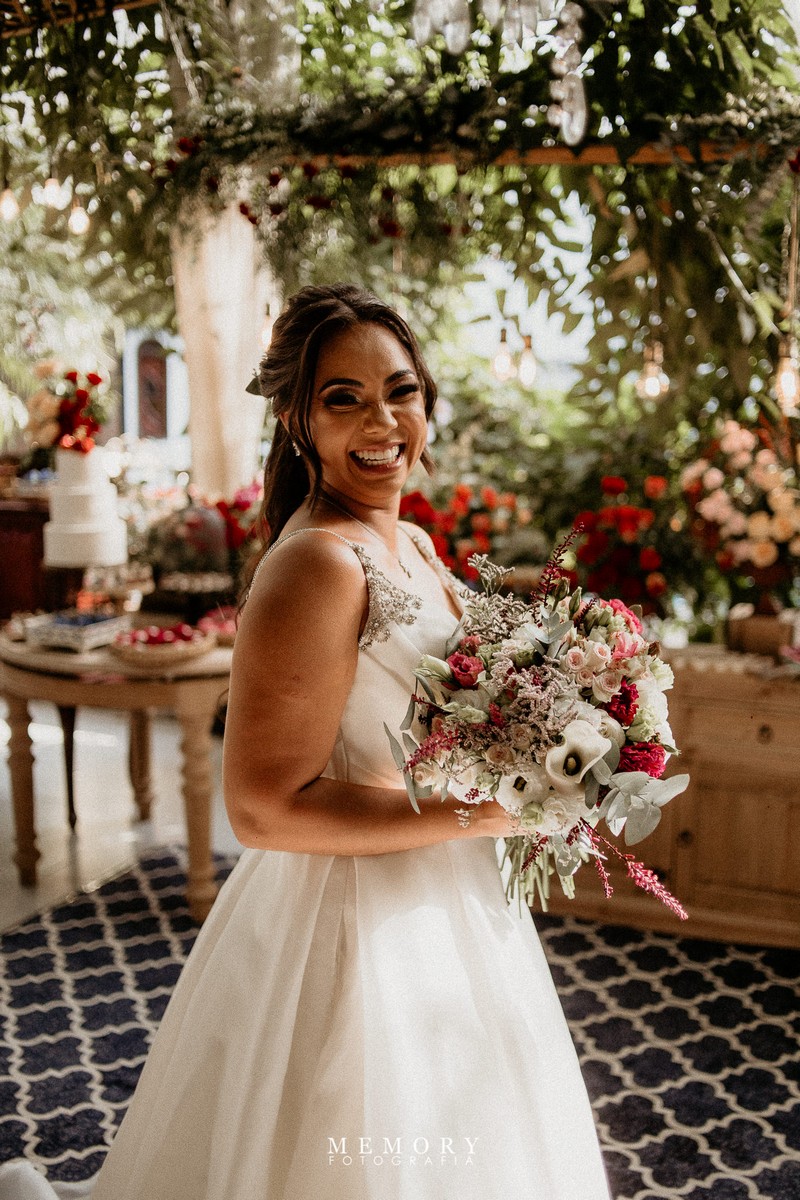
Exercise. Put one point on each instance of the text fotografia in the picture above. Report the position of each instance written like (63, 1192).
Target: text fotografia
(400, 1151)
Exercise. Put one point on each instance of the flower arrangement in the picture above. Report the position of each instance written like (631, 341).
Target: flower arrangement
(556, 709)
(472, 521)
(240, 515)
(203, 536)
(621, 551)
(743, 496)
(66, 412)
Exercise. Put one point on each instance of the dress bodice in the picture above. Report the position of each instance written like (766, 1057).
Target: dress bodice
(399, 629)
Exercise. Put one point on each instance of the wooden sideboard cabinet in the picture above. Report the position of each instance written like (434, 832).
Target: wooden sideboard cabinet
(728, 847)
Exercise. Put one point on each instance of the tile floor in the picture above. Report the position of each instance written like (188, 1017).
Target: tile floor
(108, 834)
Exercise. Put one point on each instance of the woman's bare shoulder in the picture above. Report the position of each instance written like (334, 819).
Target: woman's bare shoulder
(314, 569)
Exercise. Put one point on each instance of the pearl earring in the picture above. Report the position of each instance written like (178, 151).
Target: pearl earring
(295, 447)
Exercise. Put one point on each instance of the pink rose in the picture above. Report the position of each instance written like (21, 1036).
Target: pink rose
(465, 668)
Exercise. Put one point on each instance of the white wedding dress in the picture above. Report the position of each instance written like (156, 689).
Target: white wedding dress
(371, 1028)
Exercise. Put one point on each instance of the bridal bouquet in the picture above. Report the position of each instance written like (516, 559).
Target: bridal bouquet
(555, 709)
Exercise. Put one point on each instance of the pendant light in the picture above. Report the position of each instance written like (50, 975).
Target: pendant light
(527, 365)
(503, 367)
(653, 382)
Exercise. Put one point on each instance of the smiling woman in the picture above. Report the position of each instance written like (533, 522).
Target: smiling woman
(360, 980)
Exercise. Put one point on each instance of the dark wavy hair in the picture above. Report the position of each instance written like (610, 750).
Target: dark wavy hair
(286, 377)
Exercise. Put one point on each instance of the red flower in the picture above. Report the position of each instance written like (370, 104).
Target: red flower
(643, 756)
(81, 395)
(71, 376)
(440, 545)
(445, 522)
(623, 706)
(489, 497)
(481, 522)
(419, 508)
(465, 668)
(656, 584)
(587, 519)
(593, 548)
(613, 485)
(94, 379)
(649, 559)
(654, 487)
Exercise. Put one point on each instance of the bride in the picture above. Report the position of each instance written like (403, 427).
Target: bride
(362, 1016)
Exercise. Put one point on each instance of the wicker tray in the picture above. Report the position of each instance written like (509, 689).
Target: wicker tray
(140, 654)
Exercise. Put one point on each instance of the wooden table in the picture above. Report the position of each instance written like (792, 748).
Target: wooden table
(97, 679)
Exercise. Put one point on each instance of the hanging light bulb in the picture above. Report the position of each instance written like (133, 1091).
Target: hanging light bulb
(9, 207)
(78, 222)
(52, 196)
(787, 377)
(527, 366)
(503, 364)
(653, 383)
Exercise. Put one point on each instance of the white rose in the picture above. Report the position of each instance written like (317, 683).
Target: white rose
(598, 655)
(567, 764)
(559, 814)
(521, 737)
(426, 774)
(576, 659)
(584, 678)
(606, 685)
(611, 729)
(500, 755)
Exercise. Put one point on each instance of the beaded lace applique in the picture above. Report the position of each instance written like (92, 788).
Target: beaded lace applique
(388, 604)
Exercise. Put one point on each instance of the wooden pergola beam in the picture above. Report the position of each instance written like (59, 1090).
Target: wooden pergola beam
(594, 154)
(20, 18)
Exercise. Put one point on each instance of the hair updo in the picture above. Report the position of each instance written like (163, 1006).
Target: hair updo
(286, 377)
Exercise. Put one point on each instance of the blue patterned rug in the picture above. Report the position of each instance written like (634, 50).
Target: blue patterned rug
(689, 1048)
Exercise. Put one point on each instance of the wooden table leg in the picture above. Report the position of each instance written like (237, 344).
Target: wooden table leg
(66, 715)
(201, 889)
(20, 763)
(139, 762)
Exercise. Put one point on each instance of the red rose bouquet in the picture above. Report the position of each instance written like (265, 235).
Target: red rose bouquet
(67, 412)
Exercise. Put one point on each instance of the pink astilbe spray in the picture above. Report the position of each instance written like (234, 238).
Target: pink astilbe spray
(641, 875)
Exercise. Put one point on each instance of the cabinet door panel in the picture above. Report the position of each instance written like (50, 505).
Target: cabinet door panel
(740, 850)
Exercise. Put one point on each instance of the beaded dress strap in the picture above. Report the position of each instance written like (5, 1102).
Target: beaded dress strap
(388, 604)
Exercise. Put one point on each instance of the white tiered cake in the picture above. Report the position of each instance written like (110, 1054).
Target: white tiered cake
(84, 528)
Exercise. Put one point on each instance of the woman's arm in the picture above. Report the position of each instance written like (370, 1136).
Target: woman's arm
(293, 667)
